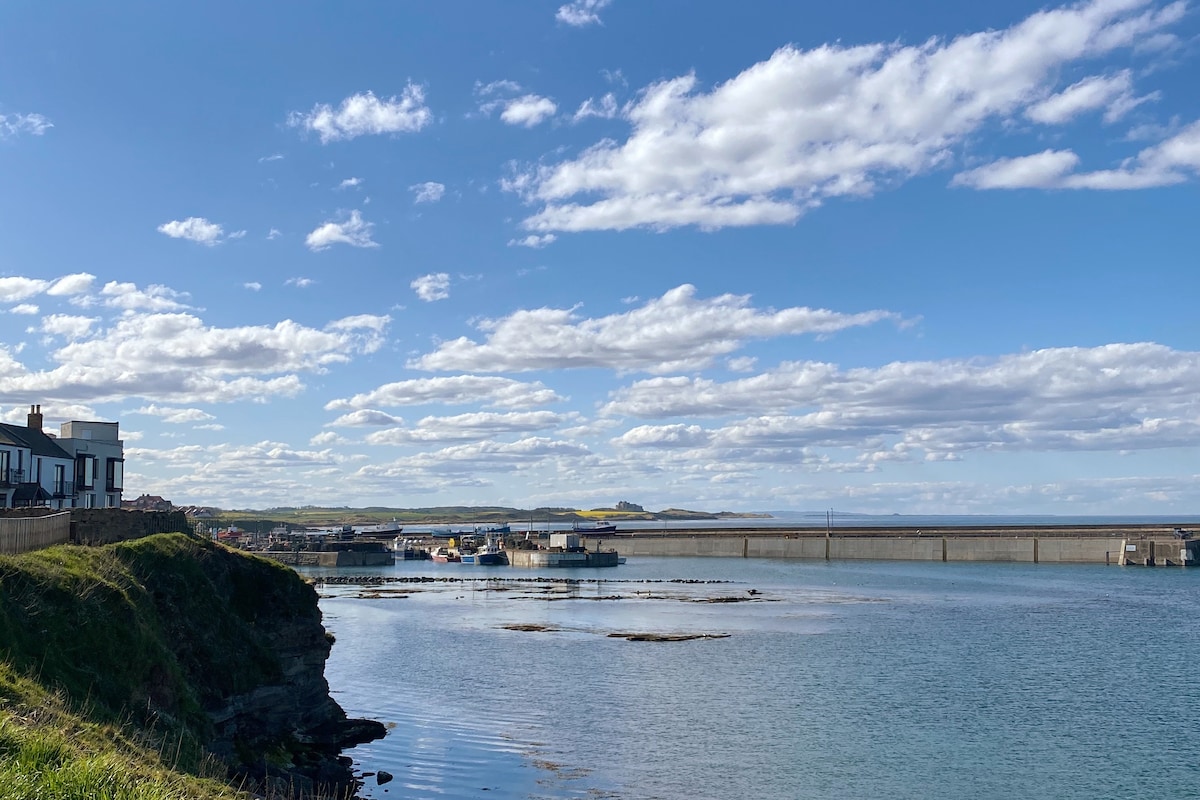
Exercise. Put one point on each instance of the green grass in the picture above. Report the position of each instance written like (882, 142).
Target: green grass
(109, 656)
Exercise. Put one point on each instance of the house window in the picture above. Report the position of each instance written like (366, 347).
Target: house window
(5, 457)
(115, 474)
(60, 480)
(85, 472)
(89, 500)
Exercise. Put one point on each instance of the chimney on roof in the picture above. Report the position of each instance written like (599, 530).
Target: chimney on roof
(35, 418)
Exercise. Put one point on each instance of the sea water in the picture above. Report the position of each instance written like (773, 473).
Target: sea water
(835, 680)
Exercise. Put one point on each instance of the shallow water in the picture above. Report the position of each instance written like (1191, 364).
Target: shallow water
(837, 680)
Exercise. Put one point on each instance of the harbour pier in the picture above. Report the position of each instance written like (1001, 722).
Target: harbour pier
(1143, 545)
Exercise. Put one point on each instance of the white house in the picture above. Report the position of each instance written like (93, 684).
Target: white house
(83, 467)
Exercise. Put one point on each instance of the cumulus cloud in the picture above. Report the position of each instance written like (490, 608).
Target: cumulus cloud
(253, 286)
(1169, 162)
(674, 332)
(528, 110)
(350, 183)
(435, 286)
(195, 229)
(579, 13)
(477, 426)
(533, 241)
(174, 416)
(454, 390)
(427, 192)
(16, 288)
(78, 283)
(176, 358)
(804, 126)
(354, 231)
(470, 459)
(362, 114)
(155, 297)
(1112, 92)
(28, 309)
(1114, 397)
(15, 124)
(67, 326)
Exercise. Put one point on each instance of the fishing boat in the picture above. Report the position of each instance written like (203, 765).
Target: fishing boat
(382, 529)
(445, 555)
(589, 528)
(491, 554)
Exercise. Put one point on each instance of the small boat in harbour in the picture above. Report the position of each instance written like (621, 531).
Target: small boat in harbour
(588, 528)
(445, 555)
(491, 554)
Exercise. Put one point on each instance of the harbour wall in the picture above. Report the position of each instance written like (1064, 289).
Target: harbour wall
(1141, 547)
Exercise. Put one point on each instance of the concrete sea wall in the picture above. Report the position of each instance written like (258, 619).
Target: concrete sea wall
(1035, 546)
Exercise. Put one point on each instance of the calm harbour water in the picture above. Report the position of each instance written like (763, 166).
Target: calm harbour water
(839, 680)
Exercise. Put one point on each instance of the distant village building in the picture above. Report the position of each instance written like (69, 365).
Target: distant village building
(148, 502)
(82, 467)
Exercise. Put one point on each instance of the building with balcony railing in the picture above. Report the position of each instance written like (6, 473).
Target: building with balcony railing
(82, 467)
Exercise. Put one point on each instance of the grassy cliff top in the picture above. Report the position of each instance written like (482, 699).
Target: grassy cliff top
(109, 657)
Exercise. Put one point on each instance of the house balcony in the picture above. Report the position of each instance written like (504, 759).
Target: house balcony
(64, 489)
(12, 477)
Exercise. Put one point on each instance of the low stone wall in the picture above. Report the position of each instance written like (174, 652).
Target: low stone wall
(96, 526)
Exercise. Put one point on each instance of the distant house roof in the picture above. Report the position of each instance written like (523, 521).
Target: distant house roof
(38, 443)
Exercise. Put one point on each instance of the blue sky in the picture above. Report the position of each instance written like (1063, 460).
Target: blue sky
(930, 257)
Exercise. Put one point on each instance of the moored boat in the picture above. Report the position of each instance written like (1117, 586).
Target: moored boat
(444, 555)
(589, 528)
(491, 554)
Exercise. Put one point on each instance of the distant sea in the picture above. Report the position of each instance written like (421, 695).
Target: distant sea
(794, 519)
(837, 681)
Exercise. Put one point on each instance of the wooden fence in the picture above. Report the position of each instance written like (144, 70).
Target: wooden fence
(23, 534)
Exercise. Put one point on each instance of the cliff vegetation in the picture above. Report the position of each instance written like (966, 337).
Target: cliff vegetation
(166, 667)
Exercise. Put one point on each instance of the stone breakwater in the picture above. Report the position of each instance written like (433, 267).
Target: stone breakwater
(1150, 545)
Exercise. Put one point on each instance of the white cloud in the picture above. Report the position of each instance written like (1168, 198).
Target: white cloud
(1043, 170)
(427, 192)
(454, 390)
(155, 297)
(362, 114)
(1091, 93)
(272, 157)
(674, 332)
(350, 183)
(253, 286)
(174, 416)
(1114, 397)
(299, 283)
(14, 124)
(476, 426)
(1169, 162)
(79, 283)
(354, 231)
(533, 241)
(274, 233)
(528, 110)
(24, 308)
(579, 13)
(677, 435)
(175, 358)
(194, 229)
(804, 126)
(17, 288)
(605, 108)
(68, 326)
(365, 417)
(435, 286)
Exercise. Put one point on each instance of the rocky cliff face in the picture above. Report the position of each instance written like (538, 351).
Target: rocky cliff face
(189, 639)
